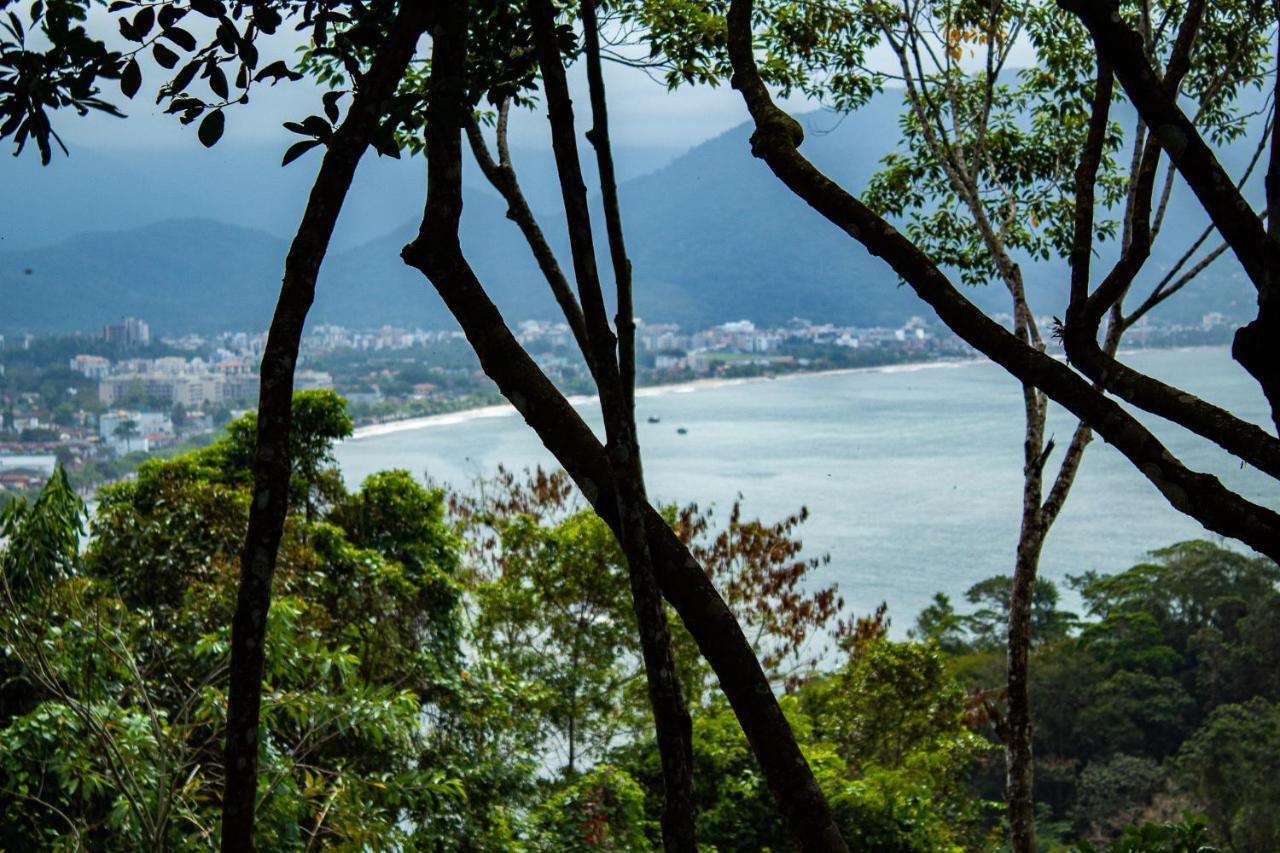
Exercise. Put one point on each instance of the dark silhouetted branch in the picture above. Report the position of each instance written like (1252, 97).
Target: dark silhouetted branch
(1257, 345)
(502, 175)
(271, 463)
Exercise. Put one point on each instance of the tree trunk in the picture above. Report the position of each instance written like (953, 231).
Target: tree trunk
(271, 463)
(1019, 761)
(438, 254)
(682, 579)
(1198, 495)
(1253, 243)
(607, 355)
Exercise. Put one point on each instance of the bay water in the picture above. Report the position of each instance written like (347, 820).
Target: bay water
(911, 474)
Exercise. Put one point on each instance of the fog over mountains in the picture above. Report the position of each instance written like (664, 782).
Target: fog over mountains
(196, 241)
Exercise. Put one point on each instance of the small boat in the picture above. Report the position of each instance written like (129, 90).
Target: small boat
(654, 419)
(681, 431)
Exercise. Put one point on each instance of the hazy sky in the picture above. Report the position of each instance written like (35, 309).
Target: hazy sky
(148, 167)
(642, 112)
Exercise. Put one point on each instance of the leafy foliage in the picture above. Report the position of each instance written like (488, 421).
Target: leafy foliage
(120, 656)
(1144, 709)
(476, 688)
(211, 55)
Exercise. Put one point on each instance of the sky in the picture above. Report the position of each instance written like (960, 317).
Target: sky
(122, 173)
(642, 112)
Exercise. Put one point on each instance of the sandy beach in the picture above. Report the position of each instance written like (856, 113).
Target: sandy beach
(506, 410)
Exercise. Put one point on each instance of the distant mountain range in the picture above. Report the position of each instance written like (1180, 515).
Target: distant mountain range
(712, 234)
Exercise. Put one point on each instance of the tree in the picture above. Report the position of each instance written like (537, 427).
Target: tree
(1231, 766)
(1163, 645)
(610, 356)
(557, 612)
(178, 417)
(1189, 835)
(604, 810)
(373, 47)
(1114, 793)
(919, 263)
(904, 793)
(123, 650)
(319, 420)
(988, 626)
(549, 599)
(437, 253)
(126, 430)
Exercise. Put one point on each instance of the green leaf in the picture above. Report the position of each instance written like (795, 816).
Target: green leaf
(180, 37)
(130, 78)
(164, 55)
(266, 18)
(209, 8)
(143, 21)
(169, 15)
(298, 149)
(184, 77)
(330, 100)
(248, 53)
(386, 146)
(210, 130)
(317, 127)
(276, 70)
(227, 35)
(218, 82)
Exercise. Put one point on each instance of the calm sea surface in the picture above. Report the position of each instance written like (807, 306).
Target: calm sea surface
(912, 475)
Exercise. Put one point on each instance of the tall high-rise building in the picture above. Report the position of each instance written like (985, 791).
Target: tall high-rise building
(131, 332)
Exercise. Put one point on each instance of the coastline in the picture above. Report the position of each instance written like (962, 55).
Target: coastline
(506, 410)
(687, 387)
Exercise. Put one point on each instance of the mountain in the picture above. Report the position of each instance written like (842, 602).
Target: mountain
(370, 285)
(713, 236)
(179, 275)
(96, 189)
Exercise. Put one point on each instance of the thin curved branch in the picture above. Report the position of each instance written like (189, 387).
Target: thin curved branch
(672, 724)
(1217, 193)
(598, 136)
(502, 176)
(1167, 285)
(1079, 333)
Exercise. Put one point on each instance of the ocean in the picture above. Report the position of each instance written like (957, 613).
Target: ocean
(912, 474)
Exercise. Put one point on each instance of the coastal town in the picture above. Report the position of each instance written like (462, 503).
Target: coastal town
(99, 404)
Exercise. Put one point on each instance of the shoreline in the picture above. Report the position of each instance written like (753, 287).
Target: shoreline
(687, 387)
